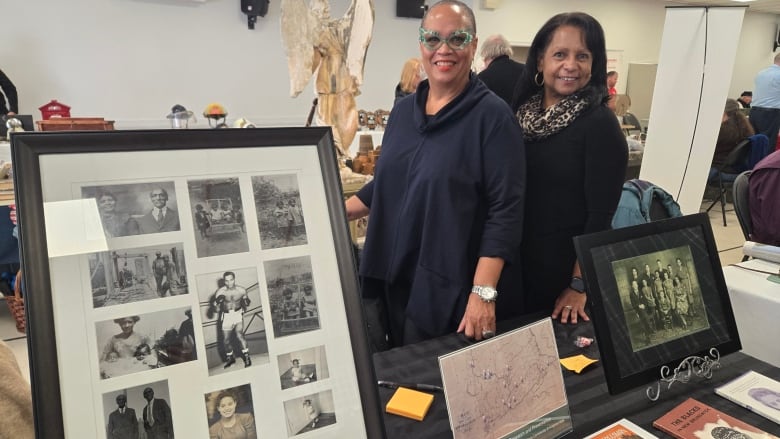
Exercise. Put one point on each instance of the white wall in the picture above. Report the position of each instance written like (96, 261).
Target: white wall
(131, 60)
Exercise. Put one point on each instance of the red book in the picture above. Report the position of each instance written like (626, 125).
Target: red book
(695, 420)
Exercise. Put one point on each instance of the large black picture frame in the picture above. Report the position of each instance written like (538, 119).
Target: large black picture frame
(61, 167)
(636, 339)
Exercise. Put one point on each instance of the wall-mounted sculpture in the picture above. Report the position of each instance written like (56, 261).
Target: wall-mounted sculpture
(334, 49)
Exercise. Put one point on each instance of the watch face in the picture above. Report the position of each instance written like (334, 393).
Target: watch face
(486, 293)
(577, 285)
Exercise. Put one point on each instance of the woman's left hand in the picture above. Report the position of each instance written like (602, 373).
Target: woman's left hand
(570, 305)
(479, 320)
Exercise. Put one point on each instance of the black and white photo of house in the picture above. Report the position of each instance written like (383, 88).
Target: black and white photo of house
(303, 367)
(233, 326)
(217, 217)
(292, 295)
(280, 215)
(137, 274)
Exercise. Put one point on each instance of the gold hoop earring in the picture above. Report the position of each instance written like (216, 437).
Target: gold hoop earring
(537, 81)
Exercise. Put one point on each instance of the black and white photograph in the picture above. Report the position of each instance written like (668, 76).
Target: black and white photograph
(137, 343)
(139, 412)
(218, 217)
(303, 367)
(231, 414)
(661, 296)
(658, 297)
(292, 296)
(280, 215)
(233, 320)
(137, 274)
(135, 209)
(309, 413)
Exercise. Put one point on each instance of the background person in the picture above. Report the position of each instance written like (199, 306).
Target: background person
(161, 218)
(612, 79)
(229, 424)
(122, 423)
(764, 196)
(157, 417)
(452, 162)
(765, 107)
(114, 224)
(745, 99)
(232, 301)
(411, 75)
(8, 91)
(501, 73)
(734, 128)
(126, 343)
(576, 156)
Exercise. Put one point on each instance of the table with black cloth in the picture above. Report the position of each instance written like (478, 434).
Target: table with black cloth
(591, 405)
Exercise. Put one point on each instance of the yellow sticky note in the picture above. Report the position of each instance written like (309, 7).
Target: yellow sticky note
(409, 403)
(577, 363)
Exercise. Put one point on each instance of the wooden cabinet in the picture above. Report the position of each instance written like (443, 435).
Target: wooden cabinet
(75, 124)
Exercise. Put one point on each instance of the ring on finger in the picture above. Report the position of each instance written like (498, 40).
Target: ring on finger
(486, 333)
(567, 307)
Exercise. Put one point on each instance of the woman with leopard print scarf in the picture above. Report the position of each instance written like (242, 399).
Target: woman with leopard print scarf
(576, 159)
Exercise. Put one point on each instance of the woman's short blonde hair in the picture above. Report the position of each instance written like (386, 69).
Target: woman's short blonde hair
(410, 75)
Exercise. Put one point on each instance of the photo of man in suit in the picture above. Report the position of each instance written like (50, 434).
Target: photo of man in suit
(161, 218)
(122, 423)
(157, 417)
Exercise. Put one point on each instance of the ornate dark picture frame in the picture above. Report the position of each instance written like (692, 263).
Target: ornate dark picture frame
(57, 176)
(657, 295)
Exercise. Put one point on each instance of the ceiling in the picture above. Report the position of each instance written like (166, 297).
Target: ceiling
(766, 6)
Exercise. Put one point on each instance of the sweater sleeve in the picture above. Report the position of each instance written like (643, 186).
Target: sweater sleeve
(605, 169)
(366, 193)
(504, 185)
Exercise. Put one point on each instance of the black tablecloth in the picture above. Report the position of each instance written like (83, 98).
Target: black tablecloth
(592, 407)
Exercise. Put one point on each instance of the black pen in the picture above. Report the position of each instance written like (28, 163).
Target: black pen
(423, 387)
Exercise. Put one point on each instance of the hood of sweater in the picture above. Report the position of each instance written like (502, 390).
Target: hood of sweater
(474, 91)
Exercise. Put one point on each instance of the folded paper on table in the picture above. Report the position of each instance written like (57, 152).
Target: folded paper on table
(577, 363)
(409, 403)
(761, 251)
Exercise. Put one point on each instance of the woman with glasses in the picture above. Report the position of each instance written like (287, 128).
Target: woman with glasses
(576, 156)
(446, 201)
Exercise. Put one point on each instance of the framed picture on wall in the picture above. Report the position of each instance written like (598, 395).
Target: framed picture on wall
(163, 267)
(657, 295)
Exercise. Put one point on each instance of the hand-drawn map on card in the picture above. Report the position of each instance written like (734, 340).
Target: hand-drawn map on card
(510, 386)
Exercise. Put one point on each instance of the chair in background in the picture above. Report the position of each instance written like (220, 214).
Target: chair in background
(742, 205)
(742, 158)
(629, 119)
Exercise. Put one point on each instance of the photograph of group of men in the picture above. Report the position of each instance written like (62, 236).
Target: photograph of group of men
(218, 215)
(292, 296)
(136, 208)
(136, 343)
(139, 412)
(233, 322)
(661, 296)
(279, 211)
(137, 274)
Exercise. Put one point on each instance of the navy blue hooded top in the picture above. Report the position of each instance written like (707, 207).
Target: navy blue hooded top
(448, 189)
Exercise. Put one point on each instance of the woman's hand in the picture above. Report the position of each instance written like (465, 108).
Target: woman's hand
(479, 318)
(570, 305)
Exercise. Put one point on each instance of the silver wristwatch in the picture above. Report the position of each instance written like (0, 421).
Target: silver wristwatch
(486, 293)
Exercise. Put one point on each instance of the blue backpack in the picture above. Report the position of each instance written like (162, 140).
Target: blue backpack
(642, 202)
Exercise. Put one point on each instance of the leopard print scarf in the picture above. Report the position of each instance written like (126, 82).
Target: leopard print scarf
(539, 124)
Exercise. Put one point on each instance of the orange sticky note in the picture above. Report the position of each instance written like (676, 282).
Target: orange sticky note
(409, 403)
(577, 363)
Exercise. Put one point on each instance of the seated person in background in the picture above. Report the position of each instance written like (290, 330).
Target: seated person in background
(745, 99)
(764, 199)
(612, 79)
(734, 128)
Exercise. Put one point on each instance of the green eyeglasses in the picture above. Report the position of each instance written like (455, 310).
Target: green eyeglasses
(457, 40)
